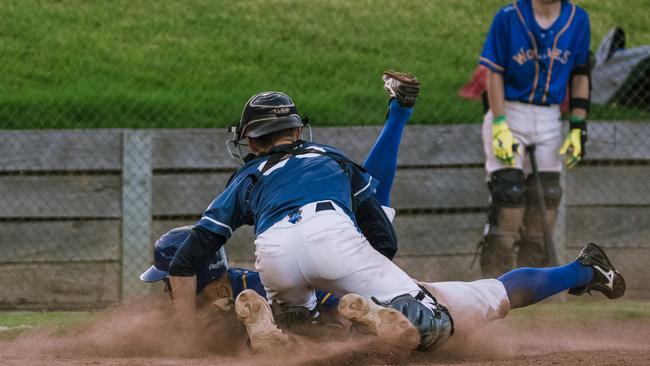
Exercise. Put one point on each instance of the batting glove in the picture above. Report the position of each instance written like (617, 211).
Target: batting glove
(574, 145)
(503, 142)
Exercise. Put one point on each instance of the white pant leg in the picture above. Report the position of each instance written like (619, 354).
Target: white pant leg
(530, 124)
(471, 304)
(548, 138)
(325, 250)
(516, 119)
(279, 270)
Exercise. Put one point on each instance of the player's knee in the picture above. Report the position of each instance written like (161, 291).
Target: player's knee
(435, 325)
(550, 186)
(508, 188)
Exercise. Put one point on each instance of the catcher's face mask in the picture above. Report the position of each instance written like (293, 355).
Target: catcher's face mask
(264, 113)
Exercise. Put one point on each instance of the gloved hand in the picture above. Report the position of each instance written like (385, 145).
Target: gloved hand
(503, 142)
(574, 145)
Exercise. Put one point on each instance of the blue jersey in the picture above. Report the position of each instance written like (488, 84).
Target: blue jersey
(261, 196)
(241, 279)
(536, 63)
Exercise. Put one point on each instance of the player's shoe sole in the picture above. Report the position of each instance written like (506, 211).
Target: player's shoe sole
(606, 278)
(255, 313)
(389, 325)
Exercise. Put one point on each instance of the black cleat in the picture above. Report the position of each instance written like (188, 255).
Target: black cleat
(606, 278)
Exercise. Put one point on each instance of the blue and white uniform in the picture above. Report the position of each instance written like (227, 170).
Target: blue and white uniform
(536, 65)
(260, 198)
(535, 62)
(306, 233)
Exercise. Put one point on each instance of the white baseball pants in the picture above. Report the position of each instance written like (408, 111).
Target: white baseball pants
(530, 124)
(324, 250)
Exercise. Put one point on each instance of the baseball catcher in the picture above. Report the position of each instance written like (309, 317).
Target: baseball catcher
(415, 314)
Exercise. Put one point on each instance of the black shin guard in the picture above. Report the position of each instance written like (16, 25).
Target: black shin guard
(532, 248)
(505, 217)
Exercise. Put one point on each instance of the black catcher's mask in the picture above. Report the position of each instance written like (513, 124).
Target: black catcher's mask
(264, 113)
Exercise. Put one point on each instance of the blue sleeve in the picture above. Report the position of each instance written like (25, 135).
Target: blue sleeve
(363, 184)
(229, 210)
(495, 49)
(583, 41)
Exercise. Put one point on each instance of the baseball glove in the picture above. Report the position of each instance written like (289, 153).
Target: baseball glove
(402, 86)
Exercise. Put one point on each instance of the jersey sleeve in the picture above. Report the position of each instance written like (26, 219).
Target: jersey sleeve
(495, 48)
(583, 42)
(229, 210)
(363, 184)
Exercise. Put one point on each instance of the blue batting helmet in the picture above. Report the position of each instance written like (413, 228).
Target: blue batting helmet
(163, 253)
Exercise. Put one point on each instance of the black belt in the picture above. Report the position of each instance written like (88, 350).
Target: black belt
(324, 206)
(534, 103)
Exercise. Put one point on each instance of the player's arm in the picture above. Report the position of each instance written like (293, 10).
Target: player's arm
(376, 227)
(580, 95)
(198, 248)
(369, 215)
(496, 94)
(211, 232)
(579, 91)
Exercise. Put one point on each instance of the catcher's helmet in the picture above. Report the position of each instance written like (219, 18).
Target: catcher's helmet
(163, 253)
(267, 112)
(264, 113)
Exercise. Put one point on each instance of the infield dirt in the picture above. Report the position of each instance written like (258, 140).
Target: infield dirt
(135, 334)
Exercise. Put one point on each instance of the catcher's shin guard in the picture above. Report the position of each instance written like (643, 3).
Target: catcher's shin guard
(504, 220)
(255, 313)
(532, 247)
(433, 322)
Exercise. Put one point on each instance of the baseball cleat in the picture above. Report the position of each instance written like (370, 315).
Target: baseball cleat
(402, 86)
(388, 324)
(606, 278)
(255, 313)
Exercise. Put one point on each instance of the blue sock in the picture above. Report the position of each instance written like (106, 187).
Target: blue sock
(381, 162)
(527, 286)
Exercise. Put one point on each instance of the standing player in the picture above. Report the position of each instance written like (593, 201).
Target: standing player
(534, 49)
(307, 202)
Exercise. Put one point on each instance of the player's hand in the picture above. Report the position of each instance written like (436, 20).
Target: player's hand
(503, 142)
(574, 145)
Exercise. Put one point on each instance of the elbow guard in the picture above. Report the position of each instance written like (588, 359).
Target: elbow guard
(199, 247)
(582, 103)
(376, 227)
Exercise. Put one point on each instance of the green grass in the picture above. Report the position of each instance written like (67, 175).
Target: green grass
(589, 309)
(140, 63)
(12, 323)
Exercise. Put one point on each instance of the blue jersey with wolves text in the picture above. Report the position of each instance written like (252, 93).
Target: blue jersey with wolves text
(261, 198)
(536, 63)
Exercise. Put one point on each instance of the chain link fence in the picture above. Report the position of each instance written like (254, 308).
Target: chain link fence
(114, 120)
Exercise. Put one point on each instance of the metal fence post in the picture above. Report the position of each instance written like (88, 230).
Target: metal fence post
(136, 209)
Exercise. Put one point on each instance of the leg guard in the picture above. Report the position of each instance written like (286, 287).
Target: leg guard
(504, 221)
(532, 248)
(434, 322)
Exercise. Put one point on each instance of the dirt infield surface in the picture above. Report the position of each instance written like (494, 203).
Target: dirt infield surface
(548, 334)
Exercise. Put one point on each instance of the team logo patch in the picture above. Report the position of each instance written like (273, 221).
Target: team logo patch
(295, 216)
